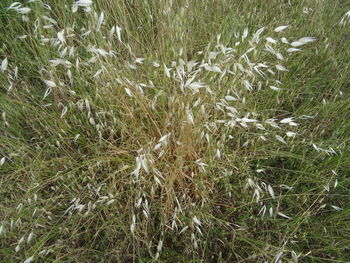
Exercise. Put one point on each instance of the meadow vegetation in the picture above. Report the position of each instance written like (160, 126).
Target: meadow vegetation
(174, 131)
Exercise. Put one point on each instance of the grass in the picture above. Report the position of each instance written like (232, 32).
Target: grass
(166, 143)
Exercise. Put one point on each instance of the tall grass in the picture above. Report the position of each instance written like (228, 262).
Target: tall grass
(174, 131)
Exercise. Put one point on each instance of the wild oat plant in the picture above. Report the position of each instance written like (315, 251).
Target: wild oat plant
(174, 131)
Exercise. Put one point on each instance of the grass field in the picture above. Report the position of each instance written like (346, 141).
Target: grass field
(175, 131)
